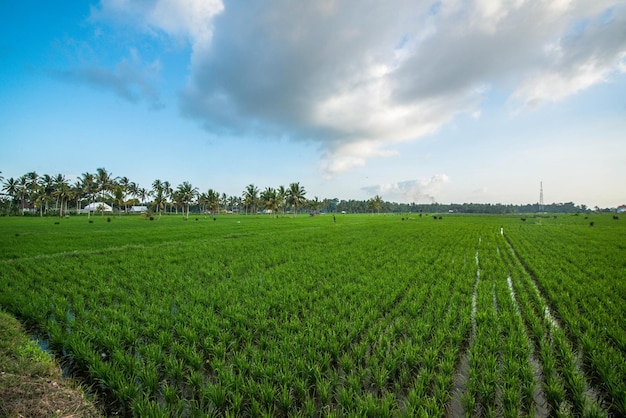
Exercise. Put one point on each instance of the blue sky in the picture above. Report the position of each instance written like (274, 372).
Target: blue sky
(449, 101)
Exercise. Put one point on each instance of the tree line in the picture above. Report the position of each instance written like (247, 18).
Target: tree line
(54, 195)
(46, 195)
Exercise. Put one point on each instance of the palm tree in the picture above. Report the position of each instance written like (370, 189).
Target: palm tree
(186, 194)
(90, 189)
(11, 187)
(213, 200)
(375, 203)
(250, 196)
(38, 198)
(295, 196)
(314, 204)
(142, 195)
(23, 191)
(47, 182)
(158, 201)
(281, 194)
(157, 192)
(269, 199)
(167, 193)
(59, 191)
(118, 194)
(105, 182)
(233, 201)
(77, 194)
(124, 183)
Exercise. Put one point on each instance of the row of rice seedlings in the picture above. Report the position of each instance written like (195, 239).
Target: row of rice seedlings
(480, 398)
(564, 380)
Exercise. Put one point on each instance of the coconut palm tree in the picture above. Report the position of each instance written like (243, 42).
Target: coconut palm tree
(270, 200)
(142, 195)
(224, 201)
(60, 191)
(105, 182)
(375, 203)
(10, 188)
(90, 189)
(38, 198)
(314, 204)
(124, 183)
(167, 193)
(281, 194)
(250, 196)
(32, 183)
(233, 202)
(295, 196)
(23, 191)
(77, 194)
(157, 192)
(47, 182)
(213, 200)
(159, 200)
(118, 194)
(186, 195)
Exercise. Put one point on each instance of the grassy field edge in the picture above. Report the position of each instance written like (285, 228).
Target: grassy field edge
(31, 381)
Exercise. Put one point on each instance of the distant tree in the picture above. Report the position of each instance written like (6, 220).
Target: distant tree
(124, 183)
(233, 202)
(118, 195)
(47, 183)
(224, 201)
(10, 188)
(314, 204)
(76, 193)
(281, 194)
(213, 200)
(61, 192)
(186, 194)
(167, 193)
(90, 189)
(269, 200)
(250, 197)
(142, 195)
(375, 203)
(296, 196)
(105, 182)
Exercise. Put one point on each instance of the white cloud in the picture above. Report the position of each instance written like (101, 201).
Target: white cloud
(359, 77)
(189, 19)
(417, 191)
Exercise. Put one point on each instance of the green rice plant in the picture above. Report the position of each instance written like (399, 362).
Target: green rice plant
(285, 399)
(397, 301)
(469, 404)
(149, 379)
(236, 402)
(323, 390)
(174, 369)
(146, 407)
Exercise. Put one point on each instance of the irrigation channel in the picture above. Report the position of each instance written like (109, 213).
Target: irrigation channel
(367, 316)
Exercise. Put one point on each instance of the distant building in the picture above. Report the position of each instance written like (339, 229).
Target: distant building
(621, 209)
(138, 209)
(97, 207)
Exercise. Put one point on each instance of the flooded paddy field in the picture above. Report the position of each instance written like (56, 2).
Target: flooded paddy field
(377, 315)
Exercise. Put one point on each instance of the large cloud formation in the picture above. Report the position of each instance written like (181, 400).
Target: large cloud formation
(359, 76)
(420, 190)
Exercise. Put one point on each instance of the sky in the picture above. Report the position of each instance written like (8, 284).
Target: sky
(447, 101)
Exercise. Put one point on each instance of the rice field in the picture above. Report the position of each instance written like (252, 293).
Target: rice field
(373, 315)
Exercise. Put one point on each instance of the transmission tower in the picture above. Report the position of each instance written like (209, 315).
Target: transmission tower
(540, 196)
